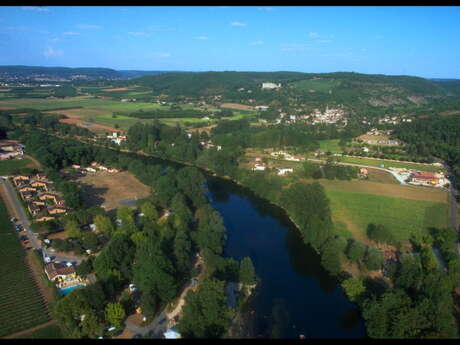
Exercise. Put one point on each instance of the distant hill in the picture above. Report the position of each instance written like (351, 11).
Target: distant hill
(56, 73)
(452, 86)
(137, 73)
(342, 87)
(67, 73)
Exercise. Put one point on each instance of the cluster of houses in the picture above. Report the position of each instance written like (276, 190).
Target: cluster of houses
(394, 120)
(287, 156)
(117, 138)
(43, 202)
(260, 166)
(124, 100)
(376, 132)
(94, 167)
(332, 115)
(10, 149)
(422, 178)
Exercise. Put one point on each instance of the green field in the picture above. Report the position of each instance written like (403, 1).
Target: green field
(387, 164)
(49, 332)
(13, 166)
(331, 145)
(21, 305)
(354, 211)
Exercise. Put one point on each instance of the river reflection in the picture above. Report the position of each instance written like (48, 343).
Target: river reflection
(296, 295)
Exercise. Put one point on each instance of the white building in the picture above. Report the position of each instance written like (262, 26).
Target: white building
(284, 171)
(270, 86)
(261, 107)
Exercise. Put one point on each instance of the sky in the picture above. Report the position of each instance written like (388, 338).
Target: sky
(419, 41)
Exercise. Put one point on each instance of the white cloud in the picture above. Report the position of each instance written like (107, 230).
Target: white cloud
(88, 26)
(256, 43)
(237, 24)
(35, 8)
(201, 38)
(71, 33)
(50, 52)
(137, 33)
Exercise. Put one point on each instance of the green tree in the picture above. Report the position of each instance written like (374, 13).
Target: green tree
(149, 210)
(115, 314)
(373, 259)
(205, 314)
(72, 229)
(247, 274)
(354, 288)
(356, 251)
(104, 225)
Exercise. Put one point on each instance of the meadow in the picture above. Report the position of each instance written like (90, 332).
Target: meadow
(387, 164)
(21, 304)
(13, 166)
(352, 212)
(331, 145)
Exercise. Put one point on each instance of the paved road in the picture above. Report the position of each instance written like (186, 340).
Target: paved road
(13, 200)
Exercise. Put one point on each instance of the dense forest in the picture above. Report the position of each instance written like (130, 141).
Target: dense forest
(434, 135)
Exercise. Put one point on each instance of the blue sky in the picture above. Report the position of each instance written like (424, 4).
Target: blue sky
(421, 41)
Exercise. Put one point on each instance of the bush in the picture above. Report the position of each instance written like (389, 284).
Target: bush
(380, 234)
(373, 259)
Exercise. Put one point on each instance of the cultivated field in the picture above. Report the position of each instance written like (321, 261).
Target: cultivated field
(237, 106)
(376, 175)
(21, 305)
(107, 189)
(403, 217)
(387, 163)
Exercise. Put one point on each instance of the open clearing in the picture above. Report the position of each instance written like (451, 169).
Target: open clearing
(13, 166)
(106, 189)
(237, 106)
(389, 163)
(403, 217)
(366, 137)
(395, 190)
(376, 175)
(331, 145)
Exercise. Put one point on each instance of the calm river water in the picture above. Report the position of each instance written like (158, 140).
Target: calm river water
(295, 294)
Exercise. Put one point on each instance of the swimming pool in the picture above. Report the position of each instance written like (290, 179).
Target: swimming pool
(70, 288)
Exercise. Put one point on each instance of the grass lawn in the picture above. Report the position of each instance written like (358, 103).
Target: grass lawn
(10, 167)
(331, 145)
(49, 332)
(387, 164)
(402, 216)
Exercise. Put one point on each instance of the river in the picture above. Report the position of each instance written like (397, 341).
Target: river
(295, 295)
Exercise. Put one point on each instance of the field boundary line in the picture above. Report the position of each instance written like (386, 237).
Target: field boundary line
(30, 330)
